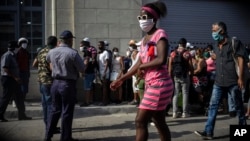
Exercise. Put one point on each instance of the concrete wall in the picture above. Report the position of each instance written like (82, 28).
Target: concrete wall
(111, 20)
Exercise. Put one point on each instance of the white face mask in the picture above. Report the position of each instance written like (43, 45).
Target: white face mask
(138, 48)
(24, 45)
(128, 53)
(130, 48)
(81, 49)
(146, 25)
(116, 53)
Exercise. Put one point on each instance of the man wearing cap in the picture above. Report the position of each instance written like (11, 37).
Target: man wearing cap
(91, 65)
(22, 57)
(11, 83)
(66, 64)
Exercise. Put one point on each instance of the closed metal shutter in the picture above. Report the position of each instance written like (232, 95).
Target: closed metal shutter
(192, 19)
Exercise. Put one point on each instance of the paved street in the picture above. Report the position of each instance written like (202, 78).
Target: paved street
(110, 123)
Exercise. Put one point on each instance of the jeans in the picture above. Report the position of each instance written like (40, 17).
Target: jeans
(181, 85)
(217, 93)
(46, 101)
(231, 101)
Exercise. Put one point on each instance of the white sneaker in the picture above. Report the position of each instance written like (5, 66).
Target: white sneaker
(174, 115)
(185, 115)
(13, 104)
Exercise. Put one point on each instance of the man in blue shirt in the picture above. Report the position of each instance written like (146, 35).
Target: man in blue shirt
(66, 64)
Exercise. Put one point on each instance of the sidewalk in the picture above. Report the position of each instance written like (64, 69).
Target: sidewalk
(34, 109)
(107, 123)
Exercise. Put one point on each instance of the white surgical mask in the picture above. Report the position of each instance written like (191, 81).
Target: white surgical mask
(146, 25)
(81, 49)
(128, 53)
(116, 53)
(130, 48)
(24, 45)
(138, 48)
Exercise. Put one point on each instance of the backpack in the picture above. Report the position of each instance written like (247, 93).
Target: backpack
(180, 65)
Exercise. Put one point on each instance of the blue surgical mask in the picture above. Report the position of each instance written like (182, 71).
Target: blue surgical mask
(216, 36)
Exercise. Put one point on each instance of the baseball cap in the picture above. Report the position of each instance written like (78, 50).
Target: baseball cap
(188, 45)
(86, 39)
(66, 34)
(106, 43)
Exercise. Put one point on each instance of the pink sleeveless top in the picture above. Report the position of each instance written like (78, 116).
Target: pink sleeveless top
(158, 84)
(158, 72)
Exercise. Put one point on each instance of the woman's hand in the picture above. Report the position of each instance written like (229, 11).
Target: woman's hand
(115, 84)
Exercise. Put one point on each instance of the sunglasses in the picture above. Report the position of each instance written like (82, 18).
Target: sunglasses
(143, 17)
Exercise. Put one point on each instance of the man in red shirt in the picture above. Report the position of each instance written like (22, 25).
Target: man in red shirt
(22, 57)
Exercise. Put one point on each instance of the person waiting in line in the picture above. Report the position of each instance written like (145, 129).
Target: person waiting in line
(199, 79)
(45, 80)
(134, 52)
(104, 72)
(180, 68)
(117, 67)
(152, 62)
(127, 85)
(90, 62)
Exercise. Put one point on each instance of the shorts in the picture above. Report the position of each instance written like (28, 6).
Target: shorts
(88, 81)
(102, 74)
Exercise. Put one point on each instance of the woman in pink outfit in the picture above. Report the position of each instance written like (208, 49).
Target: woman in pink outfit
(158, 83)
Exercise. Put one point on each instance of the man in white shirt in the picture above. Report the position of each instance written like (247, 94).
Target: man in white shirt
(103, 62)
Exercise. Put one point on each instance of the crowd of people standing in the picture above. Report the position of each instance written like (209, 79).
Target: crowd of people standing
(151, 76)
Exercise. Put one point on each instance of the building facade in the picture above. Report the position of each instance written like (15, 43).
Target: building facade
(116, 22)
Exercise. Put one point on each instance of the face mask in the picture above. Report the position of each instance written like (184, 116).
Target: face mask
(216, 36)
(24, 45)
(138, 48)
(146, 25)
(128, 53)
(130, 48)
(81, 49)
(115, 53)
